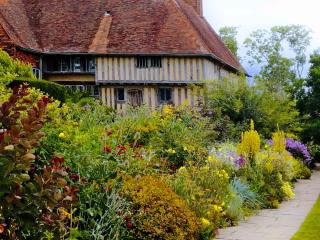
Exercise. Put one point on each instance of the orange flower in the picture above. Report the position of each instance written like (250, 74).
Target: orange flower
(2, 227)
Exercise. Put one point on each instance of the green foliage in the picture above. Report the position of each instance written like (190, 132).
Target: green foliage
(52, 89)
(145, 174)
(33, 198)
(158, 213)
(235, 102)
(265, 47)
(309, 106)
(11, 69)
(177, 135)
(103, 213)
(206, 191)
(249, 198)
(229, 37)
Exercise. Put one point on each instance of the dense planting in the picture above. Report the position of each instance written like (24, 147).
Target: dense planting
(83, 172)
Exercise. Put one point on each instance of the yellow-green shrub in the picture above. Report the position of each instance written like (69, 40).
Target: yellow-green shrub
(250, 144)
(206, 191)
(158, 212)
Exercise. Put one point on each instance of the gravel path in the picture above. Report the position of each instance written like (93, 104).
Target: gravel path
(278, 224)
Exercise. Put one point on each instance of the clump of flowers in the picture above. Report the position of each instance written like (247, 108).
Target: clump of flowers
(298, 150)
(227, 153)
(287, 191)
(250, 143)
(171, 151)
(167, 110)
(279, 141)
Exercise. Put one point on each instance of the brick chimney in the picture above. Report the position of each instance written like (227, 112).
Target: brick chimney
(197, 5)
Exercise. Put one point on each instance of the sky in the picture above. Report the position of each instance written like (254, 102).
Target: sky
(249, 15)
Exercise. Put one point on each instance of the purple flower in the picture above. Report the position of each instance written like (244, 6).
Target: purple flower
(240, 161)
(298, 150)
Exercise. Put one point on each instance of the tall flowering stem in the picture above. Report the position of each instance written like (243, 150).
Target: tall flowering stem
(250, 144)
(279, 141)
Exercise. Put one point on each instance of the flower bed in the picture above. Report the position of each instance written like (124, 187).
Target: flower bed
(140, 175)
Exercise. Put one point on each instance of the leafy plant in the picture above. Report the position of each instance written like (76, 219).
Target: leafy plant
(33, 198)
(157, 212)
(206, 191)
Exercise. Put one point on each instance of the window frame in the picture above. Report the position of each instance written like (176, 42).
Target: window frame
(143, 62)
(165, 100)
(124, 94)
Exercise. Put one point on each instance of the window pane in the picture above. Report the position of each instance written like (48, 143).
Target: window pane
(96, 91)
(92, 66)
(77, 64)
(120, 94)
(168, 94)
(162, 94)
(65, 65)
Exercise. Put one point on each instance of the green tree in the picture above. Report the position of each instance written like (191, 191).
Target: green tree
(229, 37)
(235, 102)
(313, 85)
(267, 48)
(310, 104)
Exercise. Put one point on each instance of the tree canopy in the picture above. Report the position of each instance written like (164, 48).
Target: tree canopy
(229, 37)
(270, 49)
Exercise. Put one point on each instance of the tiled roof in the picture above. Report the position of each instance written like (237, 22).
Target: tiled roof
(112, 27)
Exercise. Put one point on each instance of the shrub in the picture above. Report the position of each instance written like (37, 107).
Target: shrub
(158, 213)
(206, 191)
(52, 89)
(174, 135)
(103, 213)
(298, 150)
(33, 198)
(250, 199)
(10, 68)
(183, 136)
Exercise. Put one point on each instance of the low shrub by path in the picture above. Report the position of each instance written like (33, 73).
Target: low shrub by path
(283, 223)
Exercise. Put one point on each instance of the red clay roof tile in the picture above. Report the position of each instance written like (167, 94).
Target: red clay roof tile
(134, 27)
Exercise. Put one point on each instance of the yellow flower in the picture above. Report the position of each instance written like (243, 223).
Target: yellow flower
(206, 168)
(210, 159)
(64, 213)
(269, 167)
(171, 151)
(62, 135)
(205, 222)
(167, 110)
(217, 208)
(250, 142)
(279, 141)
(182, 169)
(288, 191)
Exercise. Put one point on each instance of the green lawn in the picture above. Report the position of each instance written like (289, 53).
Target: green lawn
(310, 229)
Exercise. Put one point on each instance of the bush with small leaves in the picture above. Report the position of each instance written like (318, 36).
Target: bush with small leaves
(158, 213)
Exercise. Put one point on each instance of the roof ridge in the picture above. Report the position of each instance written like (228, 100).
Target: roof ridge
(21, 41)
(203, 20)
(192, 25)
(218, 36)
